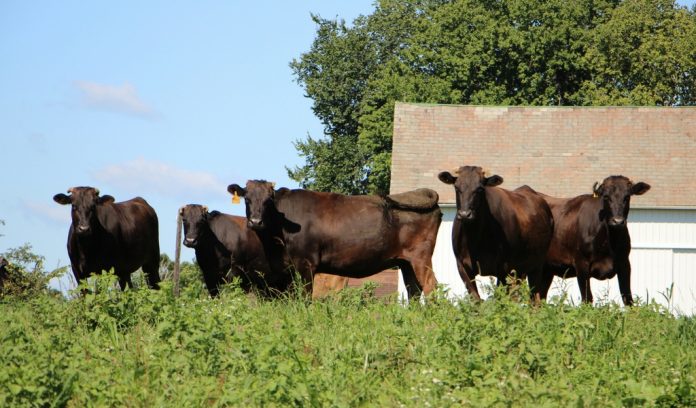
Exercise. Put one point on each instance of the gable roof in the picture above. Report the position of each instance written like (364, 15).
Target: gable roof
(560, 151)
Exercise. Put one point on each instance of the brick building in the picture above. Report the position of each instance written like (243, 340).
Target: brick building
(562, 151)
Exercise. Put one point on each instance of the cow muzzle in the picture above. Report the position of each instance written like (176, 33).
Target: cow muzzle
(190, 242)
(83, 229)
(617, 221)
(256, 223)
(465, 214)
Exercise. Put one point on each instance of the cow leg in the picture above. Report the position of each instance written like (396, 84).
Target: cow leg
(468, 275)
(124, 280)
(413, 287)
(77, 273)
(212, 280)
(302, 273)
(538, 285)
(423, 272)
(585, 289)
(582, 268)
(510, 281)
(624, 277)
(151, 270)
(544, 282)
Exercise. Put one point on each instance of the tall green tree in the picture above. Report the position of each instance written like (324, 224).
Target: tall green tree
(489, 52)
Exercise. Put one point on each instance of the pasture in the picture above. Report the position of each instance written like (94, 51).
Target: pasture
(148, 348)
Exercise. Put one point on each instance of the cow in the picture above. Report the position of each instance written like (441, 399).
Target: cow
(496, 231)
(4, 273)
(591, 237)
(105, 235)
(226, 248)
(351, 236)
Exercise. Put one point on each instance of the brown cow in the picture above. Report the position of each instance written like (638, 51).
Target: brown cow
(497, 231)
(226, 248)
(351, 236)
(4, 273)
(591, 238)
(104, 235)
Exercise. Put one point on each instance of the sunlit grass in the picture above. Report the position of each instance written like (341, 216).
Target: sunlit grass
(148, 348)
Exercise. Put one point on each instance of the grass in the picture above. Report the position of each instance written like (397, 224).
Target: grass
(147, 348)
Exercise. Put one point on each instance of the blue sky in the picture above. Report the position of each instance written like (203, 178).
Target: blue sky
(170, 100)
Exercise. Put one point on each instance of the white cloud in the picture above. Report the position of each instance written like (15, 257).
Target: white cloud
(49, 211)
(114, 98)
(143, 177)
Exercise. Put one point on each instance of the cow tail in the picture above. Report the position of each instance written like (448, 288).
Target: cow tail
(177, 254)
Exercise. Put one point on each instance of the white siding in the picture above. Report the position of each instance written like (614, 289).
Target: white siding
(684, 275)
(663, 262)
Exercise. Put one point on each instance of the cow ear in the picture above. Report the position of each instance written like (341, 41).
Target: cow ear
(640, 188)
(446, 177)
(62, 199)
(105, 199)
(493, 181)
(597, 189)
(236, 188)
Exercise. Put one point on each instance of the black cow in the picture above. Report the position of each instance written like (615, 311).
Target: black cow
(105, 235)
(496, 231)
(591, 238)
(226, 248)
(4, 273)
(351, 236)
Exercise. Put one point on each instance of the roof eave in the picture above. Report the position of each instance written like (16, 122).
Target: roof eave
(633, 207)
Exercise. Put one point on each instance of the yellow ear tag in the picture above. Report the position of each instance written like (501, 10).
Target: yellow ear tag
(235, 198)
(594, 194)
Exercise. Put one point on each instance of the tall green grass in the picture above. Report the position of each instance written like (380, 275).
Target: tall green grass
(147, 348)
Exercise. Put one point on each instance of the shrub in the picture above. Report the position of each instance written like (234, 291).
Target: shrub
(26, 276)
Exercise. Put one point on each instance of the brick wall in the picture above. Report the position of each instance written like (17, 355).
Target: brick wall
(387, 282)
(560, 151)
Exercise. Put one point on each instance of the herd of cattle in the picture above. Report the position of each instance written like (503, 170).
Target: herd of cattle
(517, 233)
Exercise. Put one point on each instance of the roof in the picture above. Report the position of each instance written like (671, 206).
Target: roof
(560, 151)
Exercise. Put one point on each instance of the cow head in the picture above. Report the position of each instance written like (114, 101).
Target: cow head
(615, 193)
(470, 189)
(84, 201)
(258, 198)
(194, 218)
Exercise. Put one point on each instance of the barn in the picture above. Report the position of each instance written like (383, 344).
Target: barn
(562, 151)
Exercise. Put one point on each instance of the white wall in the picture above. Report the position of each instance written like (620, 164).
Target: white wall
(663, 262)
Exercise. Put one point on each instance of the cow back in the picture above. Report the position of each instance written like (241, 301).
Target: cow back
(349, 234)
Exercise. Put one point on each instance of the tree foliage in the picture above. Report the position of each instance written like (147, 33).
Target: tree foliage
(485, 52)
(26, 275)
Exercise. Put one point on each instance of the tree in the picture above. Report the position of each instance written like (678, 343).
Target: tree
(644, 55)
(26, 276)
(509, 52)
